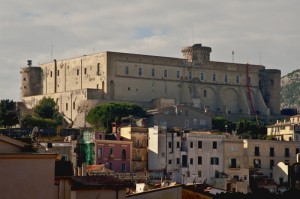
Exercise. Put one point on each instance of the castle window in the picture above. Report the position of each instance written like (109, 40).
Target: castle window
(85, 71)
(249, 80)
(202, 77)
(177, 74)
(126, 70)
(57, 72)
(225, 78)
(66, 106)
(140, 72)
(165, 73)
(205, 93)
(214, 77)
(98, 69)
(237, 79)
(77, 71)
(153, 72)
(73, 105)
(50, 73)
(24, 79)
(215, 145)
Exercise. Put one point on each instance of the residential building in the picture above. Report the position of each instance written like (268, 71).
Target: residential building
(114, 153)
(179, 116)
(286, 130)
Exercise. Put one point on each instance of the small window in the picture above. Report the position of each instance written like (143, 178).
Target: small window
(85, 69)
(67, 107)
(214, 161)
(202, 77)
(178, 144)
(124, 154)
(153, 72)
(24, 79)
(57, 72)
(170, 144)
(191, 161)
(123, 169)
(177, 74)
(190, 75)
(205, 93)
(99, 155)
(177, 161)
(214, 77)
(126, 70)
(237, 79)
(140, 71)
(214, 145)
(50, 73)
(98, 69)
(77, 71)
(165, 73)
(191, 144)
(199, 160)
(73, 105)
(199, 173)
(170, 161)
(225, 78)
(199, 144)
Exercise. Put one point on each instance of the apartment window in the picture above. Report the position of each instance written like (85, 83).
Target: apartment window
(225, 78)
(170, 144)
(190, 75)
(199, 173)
(214, 77)
(85, 69)
(204, 93)
(153, 72)
(271, 164)
(177, 74)
(191, 161)
(165, 73)
(177, 160)
(111, 151)
(126, 70)
(199, 160)
(123, 168)
(257, 163)
(237, 79)
(256, 151)
(287, 152)
(199, 144)
(100, 136)
(140, 72)
(178, 144)
(272, 151)
(184, 160)
(215, 145)
(124, 154)
(214, 161)
(170, 161)
(202, 77)
(191, 144)
(100, 153)
(248, 80)
(233, 163)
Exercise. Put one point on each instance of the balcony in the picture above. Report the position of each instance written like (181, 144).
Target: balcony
(234, 166)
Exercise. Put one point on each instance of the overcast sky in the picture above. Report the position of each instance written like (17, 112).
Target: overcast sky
(259, 32)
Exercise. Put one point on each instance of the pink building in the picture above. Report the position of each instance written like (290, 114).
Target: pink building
(113, 152)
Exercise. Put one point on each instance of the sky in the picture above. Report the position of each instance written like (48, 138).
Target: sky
(259, 32)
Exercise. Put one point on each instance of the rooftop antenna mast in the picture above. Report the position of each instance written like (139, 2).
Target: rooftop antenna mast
(232, 56)
(51, 50)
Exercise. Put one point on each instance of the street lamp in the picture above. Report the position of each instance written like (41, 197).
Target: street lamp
(226, 127)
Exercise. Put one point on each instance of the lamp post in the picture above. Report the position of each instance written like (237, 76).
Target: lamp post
(226, 127)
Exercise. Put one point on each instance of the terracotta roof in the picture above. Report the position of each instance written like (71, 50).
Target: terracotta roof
(100, 182)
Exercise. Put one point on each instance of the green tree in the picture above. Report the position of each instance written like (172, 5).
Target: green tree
(45, 115)
(46, 108)
(101, 116)
(222, 124)
(8, 113)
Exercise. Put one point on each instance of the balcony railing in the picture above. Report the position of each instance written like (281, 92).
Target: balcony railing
(234, 166)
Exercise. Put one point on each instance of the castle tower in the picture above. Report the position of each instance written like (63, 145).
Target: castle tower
(196, 53)
(270, 87)
(31, 80)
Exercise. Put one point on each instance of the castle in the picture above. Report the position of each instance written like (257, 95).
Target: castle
(228, 89)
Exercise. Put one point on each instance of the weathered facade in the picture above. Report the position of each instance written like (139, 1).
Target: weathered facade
(228, 89)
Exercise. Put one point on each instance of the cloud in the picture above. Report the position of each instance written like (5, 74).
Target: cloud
(265, 32)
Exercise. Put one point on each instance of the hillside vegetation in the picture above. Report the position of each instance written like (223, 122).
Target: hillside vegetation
(290, 90)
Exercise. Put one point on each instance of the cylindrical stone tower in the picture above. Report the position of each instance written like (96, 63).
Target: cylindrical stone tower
(31, 80)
